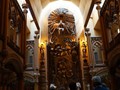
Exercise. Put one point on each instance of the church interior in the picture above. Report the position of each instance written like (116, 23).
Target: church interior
(48, 44)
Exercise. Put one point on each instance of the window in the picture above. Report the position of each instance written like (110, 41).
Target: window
(97, 50)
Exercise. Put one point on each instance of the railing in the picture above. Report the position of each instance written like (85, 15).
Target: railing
(111, 20)
(14, 47)
(16, 25)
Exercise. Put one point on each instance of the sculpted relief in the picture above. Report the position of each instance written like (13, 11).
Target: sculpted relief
(63, 55)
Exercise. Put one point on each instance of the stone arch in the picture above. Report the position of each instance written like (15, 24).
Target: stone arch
(114, 67)
(55, 5)
(14, 63)
(102, 71)
(104, 74)
(28, 77)
(29, 55)
(97, 44)
(114, 63)
(114, 60)
(29, 47)
(28, 81)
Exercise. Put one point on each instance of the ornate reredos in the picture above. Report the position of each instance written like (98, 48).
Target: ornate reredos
(61, 25)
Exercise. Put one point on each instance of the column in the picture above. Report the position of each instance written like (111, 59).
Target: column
(23, 38)
(2, 5)
(90, 50)
(36, 86)
(90, 55)
(4, 87)
(20, 82)
(36, 50)
(88, 86)
(46, 68)
(5, 27)
(98, 6)
(25, 11)
(43, 67)
(36, 59)
(0, 87)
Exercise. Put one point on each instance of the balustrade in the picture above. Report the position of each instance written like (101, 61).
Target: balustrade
(111, 20)
(16, 27)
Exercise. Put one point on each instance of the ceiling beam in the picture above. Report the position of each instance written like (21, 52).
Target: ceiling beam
(89, 13)
(33, 15)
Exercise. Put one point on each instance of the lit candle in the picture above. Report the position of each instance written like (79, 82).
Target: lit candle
(118, 30)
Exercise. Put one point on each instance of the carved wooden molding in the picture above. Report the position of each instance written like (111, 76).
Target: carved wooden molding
(61, 20)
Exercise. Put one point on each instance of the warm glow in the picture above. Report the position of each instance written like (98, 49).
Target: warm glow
(60, 4)
(41, 44)
(73, 40)
(118, 30)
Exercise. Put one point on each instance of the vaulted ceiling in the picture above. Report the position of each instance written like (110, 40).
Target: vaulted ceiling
(45, 2)
(37, 6)
(68, 5)
(80, 12)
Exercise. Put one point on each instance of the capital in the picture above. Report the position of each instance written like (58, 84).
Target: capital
(89, 34)
(36, 32)
(24, 5)
(98, 7)
(97, 1)
(87, 29)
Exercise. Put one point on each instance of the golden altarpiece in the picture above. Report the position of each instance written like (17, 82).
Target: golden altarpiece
(63, 49)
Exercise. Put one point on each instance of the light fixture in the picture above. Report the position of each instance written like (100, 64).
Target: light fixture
(78, 84)
(52, 86)
(118, 30)
(84, 50)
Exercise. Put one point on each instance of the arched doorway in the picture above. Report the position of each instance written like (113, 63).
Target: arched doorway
(114, 64)
(28, 82)
(114, 68)
(12, 74)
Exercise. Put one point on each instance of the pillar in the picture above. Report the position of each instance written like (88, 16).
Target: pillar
(5, 28)
(98, 2)
(23, 38)
(88, 86)
(90, 50)
(36, 60)
(0, 87)
(36, 50)
(46, 64)
(90, 57)
(20, 82)
(25, 11)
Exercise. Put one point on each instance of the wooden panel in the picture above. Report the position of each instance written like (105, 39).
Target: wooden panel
(1, 16)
